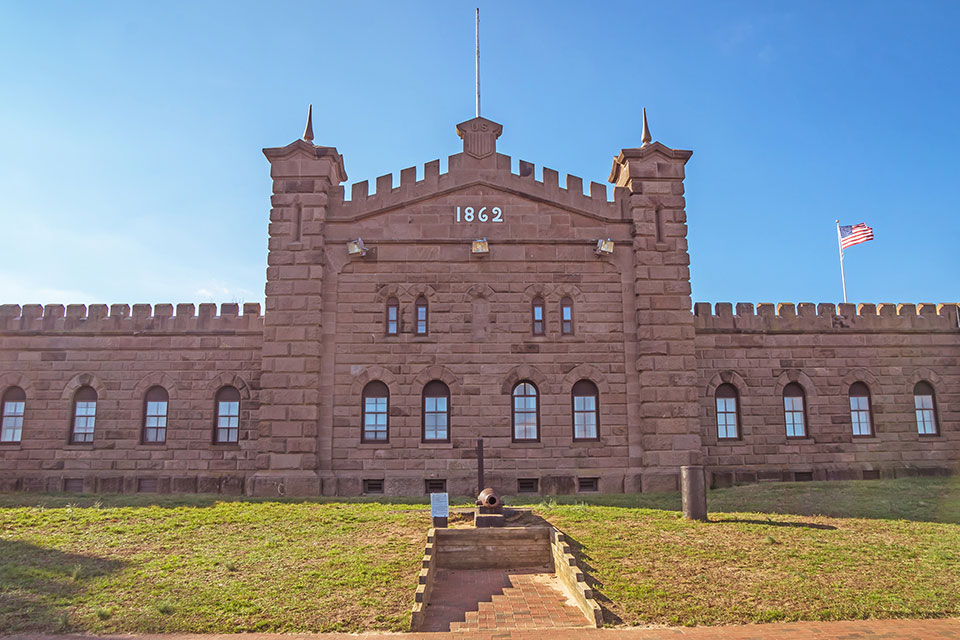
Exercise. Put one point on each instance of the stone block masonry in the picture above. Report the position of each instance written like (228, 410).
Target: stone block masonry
(375, 371)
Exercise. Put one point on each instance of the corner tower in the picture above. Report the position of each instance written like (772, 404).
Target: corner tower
(653, 175)
(303, 176)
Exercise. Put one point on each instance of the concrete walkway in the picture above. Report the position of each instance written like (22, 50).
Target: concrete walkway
(859, 630)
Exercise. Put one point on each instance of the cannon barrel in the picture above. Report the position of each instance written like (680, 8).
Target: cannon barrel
(488, 498)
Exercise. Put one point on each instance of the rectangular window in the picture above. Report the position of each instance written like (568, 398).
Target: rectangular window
(421, 319)
(156, 422)
(435, 486)
(538, 320)
(83, 421)
(726, 417)
(528, 485)
(567, 316)
(926, 425)
(375, 419)
(372, 486)
(12, 422)
(392, 326)
(228, 421)
(860, 415)
(435, 419)
(584, 417)
(793, 412)
(525, 417)
(588, 484)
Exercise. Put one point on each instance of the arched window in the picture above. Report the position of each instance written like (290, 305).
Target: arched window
(393, 317)
(422, 322)
(375, 412)
(566, 316)
(728, 413)
(794, 410)
(526, 412)
(14, 401)
(925, 404)
(155, 415)
(586, 411)
(84, 415)
(228, 416)
(860, 414)
(537, 317)
(436, 412)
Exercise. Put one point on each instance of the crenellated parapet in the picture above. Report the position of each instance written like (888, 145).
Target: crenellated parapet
(122, 318)
(806, 316)
(389, 195)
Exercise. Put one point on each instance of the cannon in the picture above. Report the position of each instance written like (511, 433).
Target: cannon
(489, 509)
(488, 498)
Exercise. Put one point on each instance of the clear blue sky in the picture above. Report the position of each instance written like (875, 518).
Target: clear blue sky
(130, 132)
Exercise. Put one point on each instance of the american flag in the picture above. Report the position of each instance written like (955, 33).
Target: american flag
(851, 235)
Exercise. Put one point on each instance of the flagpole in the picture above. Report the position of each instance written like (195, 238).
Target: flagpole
(478, 62)
(843, 278)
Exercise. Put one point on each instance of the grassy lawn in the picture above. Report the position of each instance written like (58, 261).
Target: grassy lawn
(207, 566)
(808, 551)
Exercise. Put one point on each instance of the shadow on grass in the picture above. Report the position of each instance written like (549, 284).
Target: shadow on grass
(38, 584)
(583, 561)
(775, 523)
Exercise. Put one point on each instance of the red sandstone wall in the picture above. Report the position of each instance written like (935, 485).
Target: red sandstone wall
(51, 351)
(480, 340)
(826, 349)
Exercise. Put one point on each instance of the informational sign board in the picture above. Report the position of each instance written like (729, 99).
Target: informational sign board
(440, 505)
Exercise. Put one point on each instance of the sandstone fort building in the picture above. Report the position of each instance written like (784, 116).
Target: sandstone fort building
(405, 321)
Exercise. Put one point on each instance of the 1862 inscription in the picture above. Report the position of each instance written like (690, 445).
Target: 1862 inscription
(484, 214)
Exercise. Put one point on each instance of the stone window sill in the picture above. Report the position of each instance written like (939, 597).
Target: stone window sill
(436, 445)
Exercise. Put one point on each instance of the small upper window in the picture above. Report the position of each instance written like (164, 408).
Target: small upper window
(155, 415)
(422, 324)
(794, 410)
(566, 316)
(728, 417)
(436, 412)
(84, 415)
(526, 412)
(925, 405)
(13, 403)
(228, 416)
(860, 416)
(539, 326)
(375, 411)
(393, 317)
(586, 410)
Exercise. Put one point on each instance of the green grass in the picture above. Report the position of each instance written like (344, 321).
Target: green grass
(808, 551)
(207, 566)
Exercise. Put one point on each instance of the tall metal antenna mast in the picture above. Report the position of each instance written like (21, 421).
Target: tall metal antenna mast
(478, 62)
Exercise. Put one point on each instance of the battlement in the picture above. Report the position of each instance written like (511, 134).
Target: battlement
(388, 195)
(121, 318)
(806, 316)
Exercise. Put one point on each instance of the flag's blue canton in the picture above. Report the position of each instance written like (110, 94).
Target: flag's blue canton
(845, 230)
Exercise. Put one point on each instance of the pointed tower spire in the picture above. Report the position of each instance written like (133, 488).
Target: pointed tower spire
(308, 132)
(645, 137)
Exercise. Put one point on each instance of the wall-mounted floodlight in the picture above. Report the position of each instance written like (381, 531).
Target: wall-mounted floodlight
(604, 247)
(480, 247)
(357, 248)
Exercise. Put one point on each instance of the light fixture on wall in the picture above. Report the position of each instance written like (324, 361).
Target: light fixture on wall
(480, 247)
(604, 247)
(356, 248)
